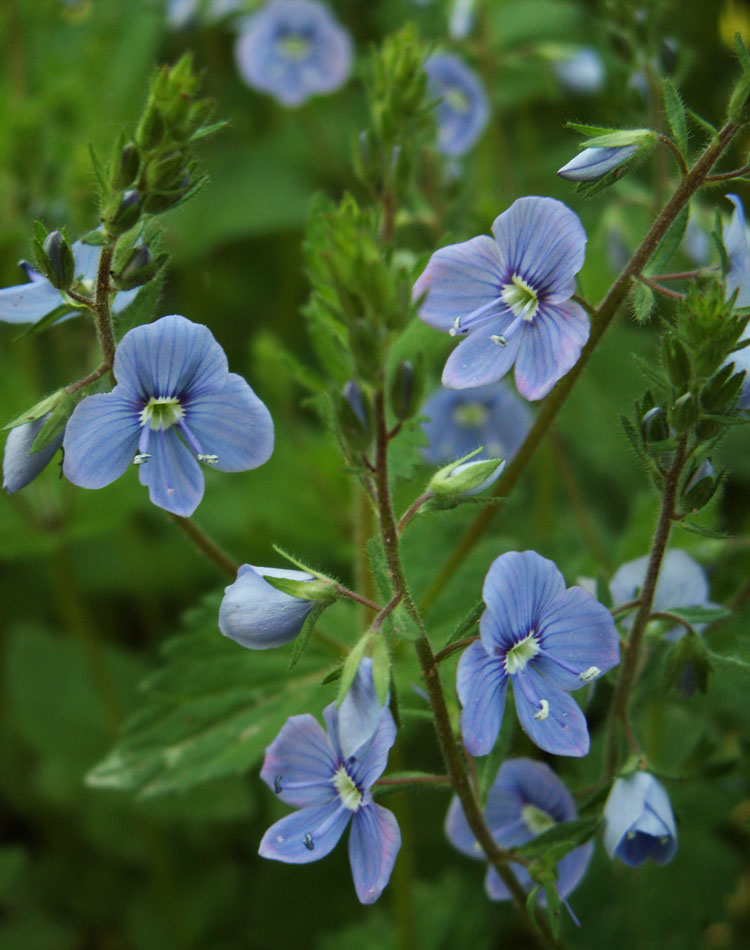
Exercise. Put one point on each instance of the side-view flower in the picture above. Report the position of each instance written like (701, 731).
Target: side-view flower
(175, 404)
(20, 464)
(463, 109)
(544, 639)
(638, 821)
(510, 298)
(308, 769)
(256, 614)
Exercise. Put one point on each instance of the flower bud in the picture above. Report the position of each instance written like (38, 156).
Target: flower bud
(685, 412)
(465, 478)
(676, 361)
(167, 172)
(700, 486)
(161, 201)
(124, 165)
(139, 268)
(638, 821)
(354, 417)
(406, 389)
(721, 391)
(366, 345)
(150, 129)
(654, 426)
(122, 212)
(56, 260)
(21, 465)
(594, 163)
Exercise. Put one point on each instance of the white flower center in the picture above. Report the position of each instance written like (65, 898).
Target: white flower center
(536, 820)
(294, 46)
(161, 412)
(471, 415)
(456, 99)
(350, 795)
(520, 298)
(518, 656)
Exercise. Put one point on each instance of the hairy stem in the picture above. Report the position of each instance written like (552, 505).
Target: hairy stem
(101, 310)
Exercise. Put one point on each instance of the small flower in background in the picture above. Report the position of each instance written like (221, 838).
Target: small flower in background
(308, 769)
(511, 298)
(28, 303)
(581, 71)
(175, 405)
(545, 639)
(20, 464)
(360, 712)
(526, 799)
(461, 420)
(293, 49)
(259, 616)
(182, 13)
(735, 242)
(638, 821)
(697, 243)
(594, 163)
(461, 19)
(463, 110)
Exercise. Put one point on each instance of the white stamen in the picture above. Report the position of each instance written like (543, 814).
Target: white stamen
(499, 339)
(590, 674)
(456, 328)
(208, 459)
(520, 298)
(350, 795)
(519, 655)
(541, 714)
(161, 412)
(140, 458)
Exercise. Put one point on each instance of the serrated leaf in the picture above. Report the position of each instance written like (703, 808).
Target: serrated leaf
(562, 838)
(381, 669)
(668, 245)
(676, 116)
(643, 302)
(700, 614)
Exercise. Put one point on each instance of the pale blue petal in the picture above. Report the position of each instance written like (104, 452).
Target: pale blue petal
(735, 242)
(495, 887)
(579, 632)
(301, 755)
(360, 712)
(369, 762)
(174, 478)
(306, 835)
(463, 109)
(625, 803)
(542, 241)
(638, 821)
(458, 831)
(682, 581)
(170, 357)
(123, 299)
(582, 73)
(741, 361)
(459, 280)
(593, 163)
(563, 730)
(550, 346)
(256, 614)
(233, 424)
(481, 684)
(526, 782)
(20, 464)
(86, 257)
(518, 588)
(101, 438)
(573, 867)
(480, 359)
(27, 303)
(374, 842)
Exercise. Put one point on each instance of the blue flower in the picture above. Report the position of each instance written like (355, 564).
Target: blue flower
(582, 72)
(28, 303)
(308, 769)
(735, 242)
(463, 419)
(545, 639)
(175, 405)
(594, 163)
(638, 821)
(259, 616)
(510, 298)
(20, 464)
(360, 712)
(526, 799)
(293, 49)
(463, 110)
(182, 13)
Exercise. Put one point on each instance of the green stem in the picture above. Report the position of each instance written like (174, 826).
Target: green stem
(206, 545)
(600, 321)
(101, 310)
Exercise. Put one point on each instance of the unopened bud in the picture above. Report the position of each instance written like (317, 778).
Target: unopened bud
(685, 413)
(700, 486)
(654, 426)
(124, 165)
(406, 389)
(158, 202)
(57, 261)
(139, 268)
(676, 361)
(122, 212)
(465, 478)
(354, 417)
(150, 129)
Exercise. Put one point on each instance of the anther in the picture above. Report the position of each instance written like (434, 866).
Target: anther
(499, 339)
(541, 714)
(277, 785)
(308, 841)
(140, 458)
(590, 674)
(208, 459)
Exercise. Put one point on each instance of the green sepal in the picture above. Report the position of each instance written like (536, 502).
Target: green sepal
(315, 589)
(643, 138)
(675, 109)
(95, 238)
(303, 637)
(351, 665)
(558, 841)
(688, 653)
(302, 566)
(643, 302)
(38, 410)
(468, 623)
(57, 421)
(381, 669)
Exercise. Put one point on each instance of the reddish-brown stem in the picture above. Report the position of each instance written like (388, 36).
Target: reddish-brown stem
(453, 648)
(413, 509)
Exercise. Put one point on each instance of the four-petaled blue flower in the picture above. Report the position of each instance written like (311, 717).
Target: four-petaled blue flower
(546, 640)
(293, 49)
(308, 769)
(526, 799)
(638, 821)
(175, 404)
(28, 303)
(463, 419)
(594, 163)
(463, 110)
(256, 614)
(510, 298)
(20, 464)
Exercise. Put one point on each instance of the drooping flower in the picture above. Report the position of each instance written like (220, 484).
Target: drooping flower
(20, 464)
(526, 799)
(461, 420)
(638, 821)
(28, 303)
(259, 616)
(308, 769)
(544, 639)
(463, 110)
(581, 72)
(360, 712)
(510, 298)
(293, 49)
(175, 405)
(594, 163)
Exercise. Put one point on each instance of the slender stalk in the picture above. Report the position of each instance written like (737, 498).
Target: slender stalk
(454, 648)
(353, 595)
(415, 780)
(600, 321)
(206, 546)
(412, 510)
(629, 664)
(665, 140)
(725, 176)
(91, 378)
(649, 282)
(101, 310)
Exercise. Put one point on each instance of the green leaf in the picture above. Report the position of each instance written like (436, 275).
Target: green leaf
(101, 175)
(710, 130)
(38, 410)
(669, 243)
(701, 614)
(468, 623)
(731, 661)
(303, 637)
(381, 791)
(643, 302)
(351, 665)
(702, 530)
(379, 566)
(676, 116)
(381, 669)
(561, 839)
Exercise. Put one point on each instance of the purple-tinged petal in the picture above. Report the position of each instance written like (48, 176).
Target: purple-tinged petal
(374, 842)
(173, 477)
(460, 280)
(459, 833)
(542, 241)
(576, 631)
(372, 758)
(573, 867)
(170, 357)
(594, 163)
(550, 717)
(550, 346)
(481, 684)
(101, 438)
(301, 755)
(360, 712)
(306, 835)
(526, 782)
(735, 242)
(256, 614)
(682, 581)
(27, 303)
(232, 424)
(20, 464)
(482, 357)
(518, 588)
(638, 821)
